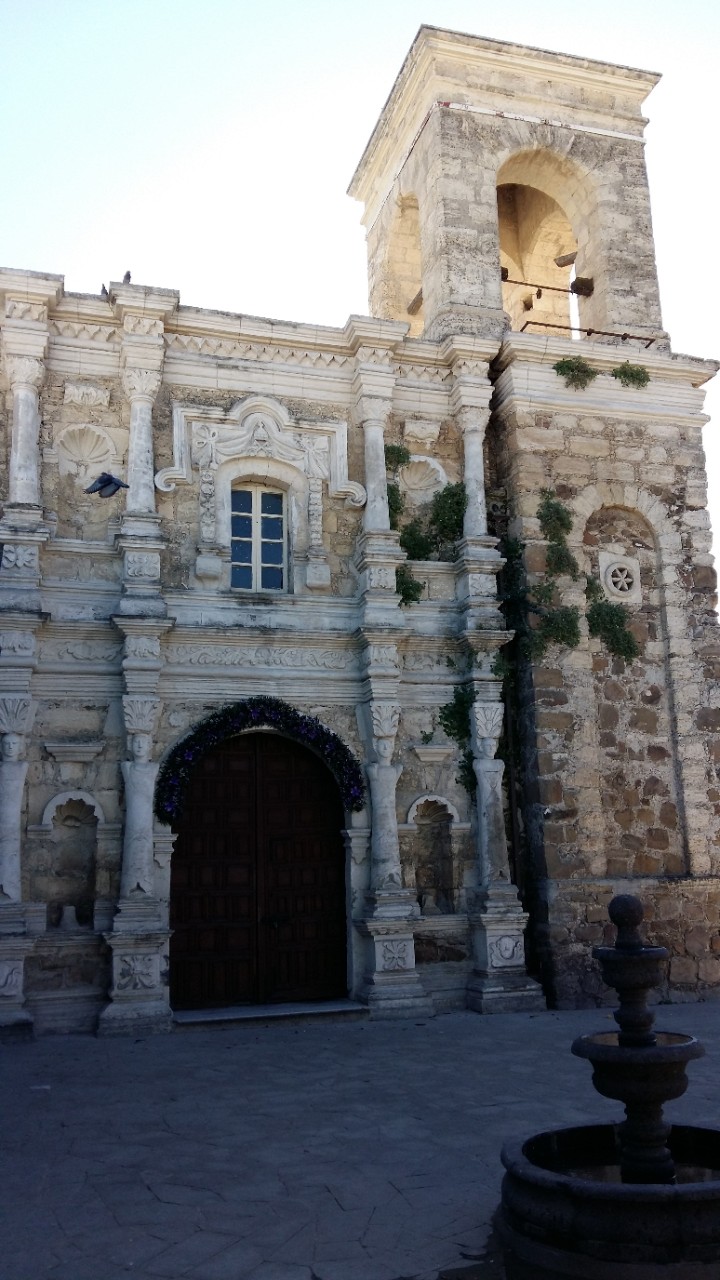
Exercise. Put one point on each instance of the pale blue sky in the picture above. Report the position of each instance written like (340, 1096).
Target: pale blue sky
(207, 144)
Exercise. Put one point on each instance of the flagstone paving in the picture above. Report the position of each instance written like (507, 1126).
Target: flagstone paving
(289, 1151)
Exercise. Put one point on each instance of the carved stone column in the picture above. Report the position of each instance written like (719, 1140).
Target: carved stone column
(15, 720)
(392, 987)
(376, 517)
(473, 422)
(18, 921)
(139, 939)
(139, 540)
(137, 876)
(385, 874)
(141, 387)
(25, 375)
(499, 982)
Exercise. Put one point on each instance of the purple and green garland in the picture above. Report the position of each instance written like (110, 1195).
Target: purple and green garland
(255, 713)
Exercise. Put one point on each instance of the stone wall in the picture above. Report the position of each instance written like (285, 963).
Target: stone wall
(619, 756)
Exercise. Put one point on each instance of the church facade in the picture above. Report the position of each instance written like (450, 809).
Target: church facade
(261, 738)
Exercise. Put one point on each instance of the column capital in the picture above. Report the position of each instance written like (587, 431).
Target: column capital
(23, 371)
(141, 714)
(385, 718)
(486, 722)
(16, 714)
(140, 385)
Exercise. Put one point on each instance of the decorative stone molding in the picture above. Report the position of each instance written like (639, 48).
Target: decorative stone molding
(84, 332)
(258, 426)
(17, 644)
(22, 309)
(142, 564)
(143, 326)
(20, 558)
(87, 394)
(84, 450)
(421, 478)
(74, 752)
(266, 353)
(291, 657)
(429, 798)
(422, 430)
(382, 658)
(62, 798)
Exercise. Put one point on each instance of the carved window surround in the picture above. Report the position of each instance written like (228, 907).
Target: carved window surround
(257, 442)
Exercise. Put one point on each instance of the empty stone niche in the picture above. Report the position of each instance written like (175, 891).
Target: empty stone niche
(65, 879)
(436, 876)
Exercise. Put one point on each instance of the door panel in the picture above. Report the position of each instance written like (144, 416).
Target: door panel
(258, 879)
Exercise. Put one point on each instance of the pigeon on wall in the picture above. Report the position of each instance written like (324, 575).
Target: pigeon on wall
(104, 292)
(106, 485)
(126, 278)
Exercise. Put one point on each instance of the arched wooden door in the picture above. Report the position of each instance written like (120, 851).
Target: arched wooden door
(257, 897)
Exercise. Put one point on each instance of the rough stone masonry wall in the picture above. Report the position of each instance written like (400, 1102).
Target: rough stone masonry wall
(622, 758)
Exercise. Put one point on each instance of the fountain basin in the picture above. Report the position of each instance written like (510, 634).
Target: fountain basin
(656, 1071)
(565, 1213)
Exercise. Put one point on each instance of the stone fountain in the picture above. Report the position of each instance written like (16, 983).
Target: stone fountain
(629, 1201)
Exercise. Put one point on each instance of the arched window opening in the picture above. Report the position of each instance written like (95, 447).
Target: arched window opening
(537, 254)
(258, 539)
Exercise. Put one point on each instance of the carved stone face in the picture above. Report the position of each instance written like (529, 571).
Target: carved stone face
(384, 749)
(141, 747)
(12, 746)
(487, 747)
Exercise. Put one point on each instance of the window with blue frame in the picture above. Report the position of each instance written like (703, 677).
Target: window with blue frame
(258, 539)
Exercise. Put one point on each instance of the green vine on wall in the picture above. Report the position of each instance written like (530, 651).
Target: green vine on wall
(531, 611)
(396, 456)
(609, 622)
(454, 718)
(441, 528)
(408, 587)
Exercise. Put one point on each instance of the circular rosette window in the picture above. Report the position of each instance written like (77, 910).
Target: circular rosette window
(620, 578)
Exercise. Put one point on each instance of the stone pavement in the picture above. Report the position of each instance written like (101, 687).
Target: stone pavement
(289, 1150)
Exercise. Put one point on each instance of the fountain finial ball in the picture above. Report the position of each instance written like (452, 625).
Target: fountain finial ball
(626, 912)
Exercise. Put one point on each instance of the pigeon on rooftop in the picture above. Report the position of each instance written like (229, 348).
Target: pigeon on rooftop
(126, 278)
(103, 292)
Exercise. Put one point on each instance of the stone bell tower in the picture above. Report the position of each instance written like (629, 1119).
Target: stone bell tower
(506, 198)
(489, 153)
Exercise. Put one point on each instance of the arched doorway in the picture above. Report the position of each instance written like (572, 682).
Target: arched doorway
(257, 898)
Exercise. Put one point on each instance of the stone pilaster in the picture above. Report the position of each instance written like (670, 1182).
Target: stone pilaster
(499, 982)
(140, 938)
(19, 921)
(142, 313)
(478, 560)
(392, 987)
(26, 300)
(16, 714)
(25, 375)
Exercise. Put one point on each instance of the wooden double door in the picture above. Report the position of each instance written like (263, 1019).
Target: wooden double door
(257, 898)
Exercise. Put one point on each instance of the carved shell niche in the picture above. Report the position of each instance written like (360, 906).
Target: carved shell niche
(83, 452)
(421, 478)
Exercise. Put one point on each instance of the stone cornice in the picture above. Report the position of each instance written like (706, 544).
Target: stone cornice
(586, 94)
(33, 287)
(527, 380)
